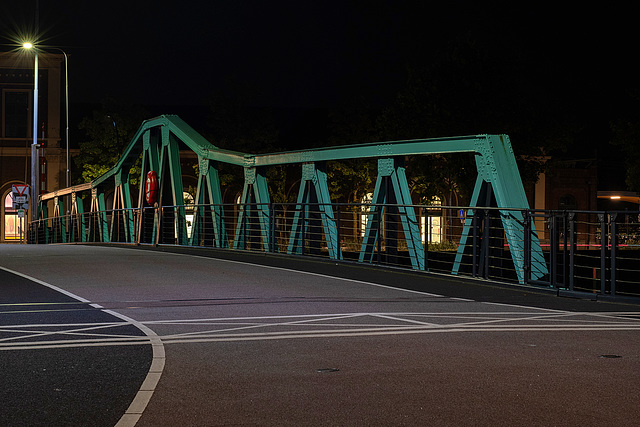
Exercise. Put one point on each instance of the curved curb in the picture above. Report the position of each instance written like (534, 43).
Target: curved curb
(143, 396)
(140, 402)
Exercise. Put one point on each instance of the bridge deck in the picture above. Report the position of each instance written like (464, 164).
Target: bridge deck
(252, 340)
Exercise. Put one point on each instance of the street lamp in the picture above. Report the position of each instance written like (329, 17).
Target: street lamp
(34, 145)
(66, 104)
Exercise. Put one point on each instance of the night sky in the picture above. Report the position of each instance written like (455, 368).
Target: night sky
(325, 53)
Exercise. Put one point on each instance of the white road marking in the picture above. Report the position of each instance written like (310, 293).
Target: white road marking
(321, 326)
(525, 319)
(143, 396)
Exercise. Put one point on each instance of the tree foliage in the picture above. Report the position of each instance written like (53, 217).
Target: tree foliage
(626, 135)
(106, 133)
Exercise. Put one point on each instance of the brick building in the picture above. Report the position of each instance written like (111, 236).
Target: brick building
(16, 129)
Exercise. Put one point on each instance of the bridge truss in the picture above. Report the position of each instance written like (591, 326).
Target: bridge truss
(157, 141)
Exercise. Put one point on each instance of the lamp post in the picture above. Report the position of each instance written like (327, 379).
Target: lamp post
(66, 105)
(34, 146)
(66, 115)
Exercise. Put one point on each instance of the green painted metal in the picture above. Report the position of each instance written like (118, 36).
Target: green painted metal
(497, 167)
(368, 150)
(43, 213)
(391, 193)
(59, 226)
(254, 210)
(170, 178)
(314, 193)
(157, 142)
(78, 224)
(98, 217)
(122, 217)
(208, 194)
(150, 162)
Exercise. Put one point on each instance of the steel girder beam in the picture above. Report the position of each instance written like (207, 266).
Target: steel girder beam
(170, 177)
(208, 193)
(314, 192)
(59, 226)
(98, 231)
(497, 168)
(368, 150)
(43, 214)
(494, 159)
(78, 224)
(392, 193)
(150, 162)
(255, 209)
(122, 215)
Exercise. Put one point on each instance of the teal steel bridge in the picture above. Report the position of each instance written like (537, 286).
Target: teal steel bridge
(498, 188)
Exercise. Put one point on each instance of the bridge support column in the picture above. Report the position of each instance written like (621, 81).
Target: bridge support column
(314, 193)
(499, 184)
(391, 195)
(122, 224)
(208, 193)
(255, 210)
(78, 227)
(98, 231)
(59, 226)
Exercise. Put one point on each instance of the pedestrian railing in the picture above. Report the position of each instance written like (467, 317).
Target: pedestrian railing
(588, 253)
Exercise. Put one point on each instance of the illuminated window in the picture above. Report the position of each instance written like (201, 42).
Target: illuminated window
(12, 224)
(432, 223)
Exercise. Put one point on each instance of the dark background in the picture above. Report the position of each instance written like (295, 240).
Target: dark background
(303, 53)
(552, 75)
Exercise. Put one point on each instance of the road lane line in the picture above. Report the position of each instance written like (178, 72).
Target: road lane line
(142, 398)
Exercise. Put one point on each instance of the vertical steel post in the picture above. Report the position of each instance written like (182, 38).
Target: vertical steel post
(527, 246)
(425, 214)
(565, 254)
(303, 231)
(272, 228)
(553, 253)
(339, 234)
(35, 168)
(485, 242)
(474, 228)
(379, 234)
(603, 252)
(572, 249)
(614, 247)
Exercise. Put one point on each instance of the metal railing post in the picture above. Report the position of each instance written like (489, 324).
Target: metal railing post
(425, 247)
(379, 214)
(603, 252)
(303, 232)
(527, 246)
(565, 254)
(474, 241)
(572, 249)
(159, 211)
(614, 247)
(553, 253)
(485, 242)
(338, 225)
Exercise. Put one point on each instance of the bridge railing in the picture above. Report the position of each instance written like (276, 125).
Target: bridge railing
(583, 252)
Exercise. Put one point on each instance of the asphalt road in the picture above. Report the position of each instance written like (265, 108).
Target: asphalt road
(96, 335)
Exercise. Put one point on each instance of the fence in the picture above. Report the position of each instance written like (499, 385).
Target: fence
(579, 251)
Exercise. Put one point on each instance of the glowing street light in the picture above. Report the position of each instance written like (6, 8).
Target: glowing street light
(66, 103)
(34, 145)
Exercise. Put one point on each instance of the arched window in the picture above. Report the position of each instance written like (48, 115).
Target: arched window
(568, 202)
(12, 224)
